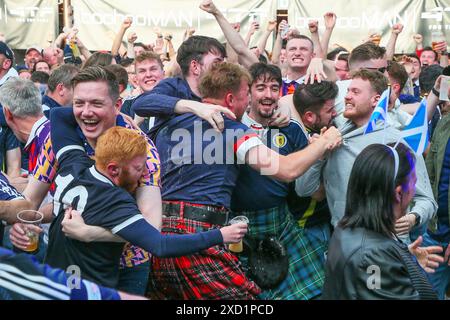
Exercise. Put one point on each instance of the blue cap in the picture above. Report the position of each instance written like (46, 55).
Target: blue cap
(4, 49)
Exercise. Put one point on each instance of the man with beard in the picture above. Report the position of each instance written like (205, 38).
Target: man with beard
(315, 104)
(96, 109)
(101, 191)
(200, 173)
(363, 94)
(32, 55)
(267, 210)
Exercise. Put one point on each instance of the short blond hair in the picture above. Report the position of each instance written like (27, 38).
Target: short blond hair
(120, 145)
(223, 78)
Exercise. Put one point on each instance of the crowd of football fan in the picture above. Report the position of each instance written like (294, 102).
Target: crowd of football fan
(138, 158)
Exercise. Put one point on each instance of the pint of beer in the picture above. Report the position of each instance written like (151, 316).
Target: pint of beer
(30, 218)
(237, 247)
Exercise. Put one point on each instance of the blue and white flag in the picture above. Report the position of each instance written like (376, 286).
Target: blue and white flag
(416, 132)
(380, 111)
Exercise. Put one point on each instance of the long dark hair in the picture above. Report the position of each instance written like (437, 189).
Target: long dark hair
(370, 192)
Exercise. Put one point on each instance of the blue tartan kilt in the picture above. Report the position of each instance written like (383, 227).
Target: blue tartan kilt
(305, 278)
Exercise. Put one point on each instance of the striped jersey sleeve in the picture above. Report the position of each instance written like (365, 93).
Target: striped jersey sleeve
(46, 166)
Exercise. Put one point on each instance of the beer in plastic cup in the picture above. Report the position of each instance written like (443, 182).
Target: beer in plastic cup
(27, 218)
(375, 36)
(237, 247)
(437, 37)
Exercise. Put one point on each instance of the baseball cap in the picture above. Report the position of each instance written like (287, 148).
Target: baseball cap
(38, 49)
(19, 69)
(4, 49)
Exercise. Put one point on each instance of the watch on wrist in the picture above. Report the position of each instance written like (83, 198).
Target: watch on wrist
(418, 218)
(435, 92)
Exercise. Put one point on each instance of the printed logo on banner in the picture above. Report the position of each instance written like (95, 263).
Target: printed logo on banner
(179, 18)
(368, 19)
(27, 14)
(437, 14)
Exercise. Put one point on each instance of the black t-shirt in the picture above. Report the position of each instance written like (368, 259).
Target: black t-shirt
(102, 204)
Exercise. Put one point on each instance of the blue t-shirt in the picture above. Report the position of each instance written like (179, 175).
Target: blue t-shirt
(204, 182)
(271, 192)
(198, 164)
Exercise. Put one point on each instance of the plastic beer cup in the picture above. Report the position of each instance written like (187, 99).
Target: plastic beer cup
(28, 218)
(237, 247)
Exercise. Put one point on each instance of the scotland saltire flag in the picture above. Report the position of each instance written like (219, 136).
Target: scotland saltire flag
(380, 111)
(416, 132)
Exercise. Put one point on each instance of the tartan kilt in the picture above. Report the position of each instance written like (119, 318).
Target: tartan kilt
(214, 273)
(306, 274)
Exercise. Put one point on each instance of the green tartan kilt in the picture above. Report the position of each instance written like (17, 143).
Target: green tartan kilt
(306, 253)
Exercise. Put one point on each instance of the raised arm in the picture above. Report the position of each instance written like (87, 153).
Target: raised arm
(390, 48)
(232, 56)
(441, 49)
(169, 45)
(83, 50)
(271, 26)
(276, 52)
(246, 57)
(330, 21)
(433, 99)
(119, 36)
(189, 32)
(131, 39)
(251, 31)
(314, 29)
(59, 40)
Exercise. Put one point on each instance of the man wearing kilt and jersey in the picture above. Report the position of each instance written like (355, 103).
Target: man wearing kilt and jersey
(200, 167)
(267, 209)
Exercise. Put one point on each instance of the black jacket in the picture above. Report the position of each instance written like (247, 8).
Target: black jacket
(366, 265)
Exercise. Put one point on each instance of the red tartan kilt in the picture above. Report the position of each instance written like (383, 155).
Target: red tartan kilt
(214, 273)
